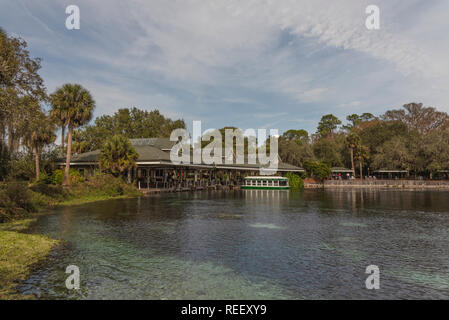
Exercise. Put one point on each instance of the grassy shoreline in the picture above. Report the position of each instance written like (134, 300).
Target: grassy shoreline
(20, 252)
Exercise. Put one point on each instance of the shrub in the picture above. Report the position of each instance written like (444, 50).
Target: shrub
(41, 200)
(49, 158)
(54, 191)
(75, 176)
(295, 181)
(102, 184)
(45, 179)
(319, 170)
(22, 168)
(17, 192)
(58, 176)
(15, 201)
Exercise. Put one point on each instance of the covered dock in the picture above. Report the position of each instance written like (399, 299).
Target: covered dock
(340, 173)
(391, 174)
(155, 171)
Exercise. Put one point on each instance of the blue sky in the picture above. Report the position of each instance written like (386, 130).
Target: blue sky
(252, 64)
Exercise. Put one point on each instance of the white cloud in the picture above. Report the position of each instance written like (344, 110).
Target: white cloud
(298, 51)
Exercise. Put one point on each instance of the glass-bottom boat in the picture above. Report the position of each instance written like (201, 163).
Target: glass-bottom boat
(265, 182)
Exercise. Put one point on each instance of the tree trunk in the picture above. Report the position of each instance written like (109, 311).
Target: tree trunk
(62, 140)
(10, 138)
(129, 175)
(352, 162)
(66, 181)
(2, 132)
(361, 172)
(36, 162)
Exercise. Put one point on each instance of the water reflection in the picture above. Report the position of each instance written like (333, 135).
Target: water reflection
(252, 244)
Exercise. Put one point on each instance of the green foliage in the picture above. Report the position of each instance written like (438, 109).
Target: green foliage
(327, 150)
(353, 140)
(378, 132)
(75, 176)
(74, 106)
(295, 181)
(22, 167)
(103, 185)
(15, 201)
(130, 123)
(49, 158)
(413, 138)
(21, 89)
(417, 118)
(51, 190)
(19, 252)
(296, 135)
(393, 153)
(317, 169)
(327, 125)
(355, 120)
(45, 179)
(58, 176)
(117, 155)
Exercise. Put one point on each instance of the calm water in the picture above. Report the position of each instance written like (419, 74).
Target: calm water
(250, 244)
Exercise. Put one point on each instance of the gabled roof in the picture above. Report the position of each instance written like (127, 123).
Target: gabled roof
(150, 153)
(91, 156)
(160, 143)
(150, 149)
(158, 150)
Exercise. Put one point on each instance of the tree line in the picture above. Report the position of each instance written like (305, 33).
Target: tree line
(30, 118)
(414, 138)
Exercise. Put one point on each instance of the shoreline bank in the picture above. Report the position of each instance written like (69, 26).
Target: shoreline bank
(378, 184)
(21, 252)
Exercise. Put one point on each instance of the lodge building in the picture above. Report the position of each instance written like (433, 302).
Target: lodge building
(155, 170)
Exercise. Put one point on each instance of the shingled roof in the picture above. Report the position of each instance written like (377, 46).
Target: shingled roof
(158, 150)
(150, 149)
(160, 143)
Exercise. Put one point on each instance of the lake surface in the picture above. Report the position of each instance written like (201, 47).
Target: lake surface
(253, 244)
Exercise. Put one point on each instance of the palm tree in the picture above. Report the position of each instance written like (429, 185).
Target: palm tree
(118, 155)
(352, 142)
(77, 105)
(362, 155)
(59, 113)
(40, 134)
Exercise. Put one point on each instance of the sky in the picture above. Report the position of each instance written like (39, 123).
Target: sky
(250, 64)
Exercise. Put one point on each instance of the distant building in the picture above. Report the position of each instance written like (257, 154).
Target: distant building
(155, 169)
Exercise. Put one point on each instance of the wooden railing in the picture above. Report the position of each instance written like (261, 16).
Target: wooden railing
(388, 183)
